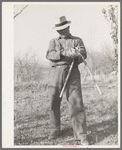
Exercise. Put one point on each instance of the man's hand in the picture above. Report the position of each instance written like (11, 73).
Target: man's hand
(73, 53)
(80, 49)
(62, 52)
(69, 53)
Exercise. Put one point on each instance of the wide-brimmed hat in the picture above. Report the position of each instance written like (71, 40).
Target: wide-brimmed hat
(61, 23)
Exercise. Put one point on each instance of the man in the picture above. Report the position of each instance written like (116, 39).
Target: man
(62, 51)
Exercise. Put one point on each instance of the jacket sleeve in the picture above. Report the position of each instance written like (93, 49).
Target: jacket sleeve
(52, 53)
(82, 51)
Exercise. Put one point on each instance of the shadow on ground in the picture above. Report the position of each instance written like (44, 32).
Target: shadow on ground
(100, 131)
(68, 131)
(97, 133)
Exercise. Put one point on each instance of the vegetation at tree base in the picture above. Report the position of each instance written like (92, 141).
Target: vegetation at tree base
(111, 15)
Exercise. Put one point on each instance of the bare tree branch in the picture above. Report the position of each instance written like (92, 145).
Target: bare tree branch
(20, 11)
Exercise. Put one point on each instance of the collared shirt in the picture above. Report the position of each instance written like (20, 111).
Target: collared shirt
(63, 37)
(64, 43)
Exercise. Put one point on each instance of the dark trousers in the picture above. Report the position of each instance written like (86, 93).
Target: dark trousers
(73, 91)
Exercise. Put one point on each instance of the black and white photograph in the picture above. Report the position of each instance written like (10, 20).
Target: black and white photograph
(61, 75)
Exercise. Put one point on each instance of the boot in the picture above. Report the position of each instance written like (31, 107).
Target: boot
(84, 140)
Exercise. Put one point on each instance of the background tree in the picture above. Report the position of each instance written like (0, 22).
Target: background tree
(111, 15)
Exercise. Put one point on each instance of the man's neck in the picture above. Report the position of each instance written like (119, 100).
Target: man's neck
(65, 36)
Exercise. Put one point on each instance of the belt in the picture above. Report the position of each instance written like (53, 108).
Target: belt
(58, 65)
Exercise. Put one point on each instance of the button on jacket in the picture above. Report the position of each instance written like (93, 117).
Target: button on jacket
(60, 43)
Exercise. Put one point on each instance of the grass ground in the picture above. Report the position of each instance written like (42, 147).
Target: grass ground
(31, 114)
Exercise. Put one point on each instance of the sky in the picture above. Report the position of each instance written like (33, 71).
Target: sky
(33, 28)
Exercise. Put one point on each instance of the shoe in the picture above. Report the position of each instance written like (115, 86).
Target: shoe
(81, 142)
(84, 140)
(55, 134)
(77, 142)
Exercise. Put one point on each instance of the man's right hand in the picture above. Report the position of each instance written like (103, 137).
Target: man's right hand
(70, 53)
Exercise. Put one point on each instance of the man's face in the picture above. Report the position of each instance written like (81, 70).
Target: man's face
(64, 32)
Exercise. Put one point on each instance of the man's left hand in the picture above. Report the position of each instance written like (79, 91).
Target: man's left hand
(73, 53)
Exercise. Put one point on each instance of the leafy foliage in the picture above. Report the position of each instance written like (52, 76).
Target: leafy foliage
(111, 15)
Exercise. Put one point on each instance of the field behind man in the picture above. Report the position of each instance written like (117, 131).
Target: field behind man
(32, 109)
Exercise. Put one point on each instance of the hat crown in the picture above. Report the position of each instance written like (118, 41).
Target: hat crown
(60, 20)
(61, 23)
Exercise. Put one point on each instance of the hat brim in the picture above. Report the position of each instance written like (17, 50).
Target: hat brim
(62, 27)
